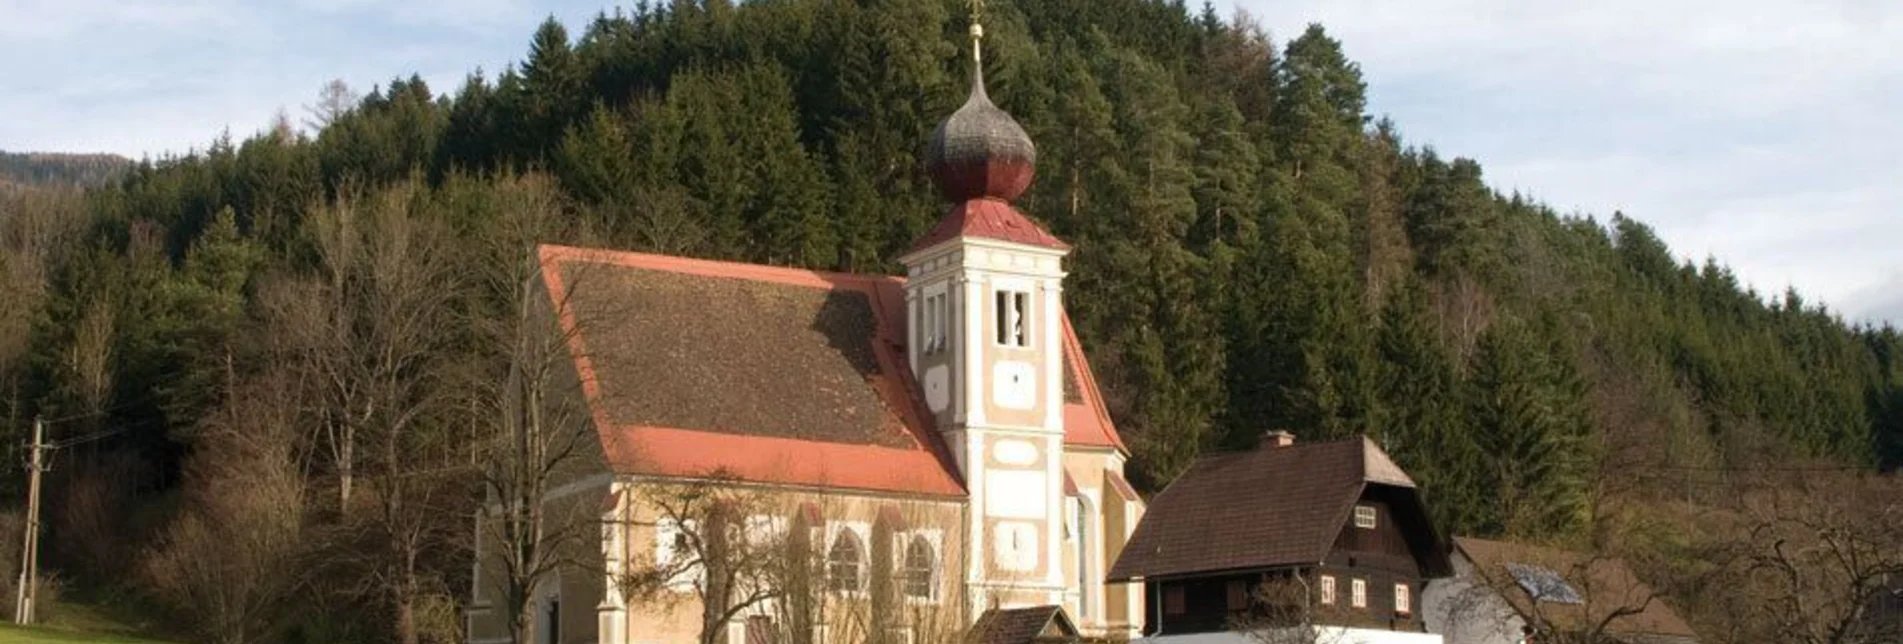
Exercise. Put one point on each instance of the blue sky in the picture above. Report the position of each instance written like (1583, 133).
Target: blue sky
(1767, 134)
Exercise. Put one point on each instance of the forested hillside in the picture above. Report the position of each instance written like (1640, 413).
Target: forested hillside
(33, 168)
(1255, 250)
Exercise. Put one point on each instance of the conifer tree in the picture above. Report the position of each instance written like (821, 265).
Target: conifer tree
(1530, 423)
(550, 95)
(1424, 423)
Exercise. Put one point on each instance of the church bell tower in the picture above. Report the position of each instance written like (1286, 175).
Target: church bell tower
(986, 344)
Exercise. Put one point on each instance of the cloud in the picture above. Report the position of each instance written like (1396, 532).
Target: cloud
(1762, 133)
(147, 78)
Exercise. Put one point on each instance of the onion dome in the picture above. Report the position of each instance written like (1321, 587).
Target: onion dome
(980, 151)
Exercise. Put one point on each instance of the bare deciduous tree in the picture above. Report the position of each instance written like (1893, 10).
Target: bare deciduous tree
(230, 560)
(1552, 596)
(710, 553)
(747, 553)
(375, 338)
(1822, 559)
(1283, 610)
(333, 101)
(538, 431)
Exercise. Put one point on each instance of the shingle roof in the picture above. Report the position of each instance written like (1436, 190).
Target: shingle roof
(694, 367)
(1605, 583)
(1022, 626)
(1271, 507)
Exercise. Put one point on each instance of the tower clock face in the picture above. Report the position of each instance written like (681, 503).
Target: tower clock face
(937, 388)
(1012, 385)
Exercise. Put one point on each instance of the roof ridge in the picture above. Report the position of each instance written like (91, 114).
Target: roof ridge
(722, 268)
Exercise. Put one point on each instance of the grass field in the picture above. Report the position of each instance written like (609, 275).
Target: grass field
(69, 622)
(16, 635)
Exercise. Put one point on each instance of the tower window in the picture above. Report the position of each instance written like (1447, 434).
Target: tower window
(1014, 308)
(937, 309)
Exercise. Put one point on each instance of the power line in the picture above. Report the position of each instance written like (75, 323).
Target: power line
(69, 442)
(92, 414)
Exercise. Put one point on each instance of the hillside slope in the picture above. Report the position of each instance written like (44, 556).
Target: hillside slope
(1254, 252)
(42, 168)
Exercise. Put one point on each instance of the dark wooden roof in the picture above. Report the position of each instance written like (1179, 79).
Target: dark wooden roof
(1268, 508)
(1023, 626)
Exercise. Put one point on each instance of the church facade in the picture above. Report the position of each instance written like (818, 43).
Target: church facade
(785, 455)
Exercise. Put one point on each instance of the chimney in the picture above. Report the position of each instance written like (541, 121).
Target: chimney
(1278, 438)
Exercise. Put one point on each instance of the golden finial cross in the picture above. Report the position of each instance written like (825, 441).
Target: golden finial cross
(977, 28)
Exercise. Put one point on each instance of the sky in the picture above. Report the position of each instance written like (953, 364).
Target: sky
(1767, 134)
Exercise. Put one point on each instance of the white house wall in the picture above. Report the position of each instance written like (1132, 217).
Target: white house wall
(1323, 635)
(1465, 613)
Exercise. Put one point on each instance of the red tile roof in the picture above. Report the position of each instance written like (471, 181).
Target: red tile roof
(1087, 418)
(989, 219)
(694, 368)
(1267, 508)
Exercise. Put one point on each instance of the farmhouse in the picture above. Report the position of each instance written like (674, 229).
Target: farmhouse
(1318, 542)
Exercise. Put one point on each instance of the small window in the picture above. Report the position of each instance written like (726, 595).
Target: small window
(842, 563)
(1014, 308)
(1359, 589)
(1365, 517)
(1402, 605)
(1238, 594)
(1173, 602)
(919, 561)
(1328, 590)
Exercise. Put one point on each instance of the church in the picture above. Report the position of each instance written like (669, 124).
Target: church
(791, 456)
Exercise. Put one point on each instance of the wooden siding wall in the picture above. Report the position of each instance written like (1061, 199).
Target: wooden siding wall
(1379, 556)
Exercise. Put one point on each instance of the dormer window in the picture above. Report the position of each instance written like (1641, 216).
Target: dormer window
(1364, 517)
(937, 310)
(1014, 309)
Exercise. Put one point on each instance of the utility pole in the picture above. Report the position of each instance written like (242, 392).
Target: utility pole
(30, 551)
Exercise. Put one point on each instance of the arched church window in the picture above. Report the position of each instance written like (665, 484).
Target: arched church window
(919, 564)
(843, 561)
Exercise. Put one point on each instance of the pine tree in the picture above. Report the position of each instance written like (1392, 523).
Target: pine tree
(1530, 422)
(1424, 425)
(551, 90)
